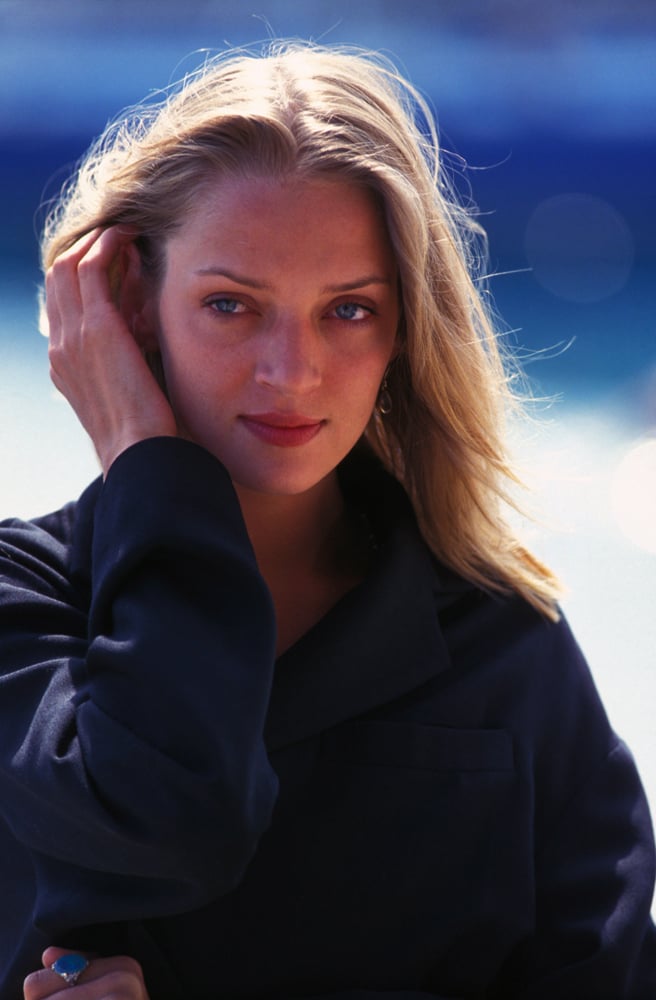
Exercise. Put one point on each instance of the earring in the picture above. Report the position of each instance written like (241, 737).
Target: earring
(384, 401)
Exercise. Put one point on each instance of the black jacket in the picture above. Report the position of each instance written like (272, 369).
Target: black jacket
(423, 799)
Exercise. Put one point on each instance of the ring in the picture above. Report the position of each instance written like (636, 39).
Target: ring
(70, 967)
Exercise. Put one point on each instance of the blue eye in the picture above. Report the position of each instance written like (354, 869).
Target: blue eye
(351, 311)
(225, 305)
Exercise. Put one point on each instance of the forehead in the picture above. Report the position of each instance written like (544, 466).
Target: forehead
(288, 216)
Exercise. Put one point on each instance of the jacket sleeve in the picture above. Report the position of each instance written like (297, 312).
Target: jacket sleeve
(132, 762)
(594, 861)
(594, 882)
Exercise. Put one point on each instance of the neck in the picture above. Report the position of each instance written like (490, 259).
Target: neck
(310, 551)
(293, 532)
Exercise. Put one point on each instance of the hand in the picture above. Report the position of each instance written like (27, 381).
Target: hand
(106, 979)
(95, 360)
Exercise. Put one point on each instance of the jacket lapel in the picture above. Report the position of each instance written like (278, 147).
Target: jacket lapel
(380, 641)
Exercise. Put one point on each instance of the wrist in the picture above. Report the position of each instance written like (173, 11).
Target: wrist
(111, 451)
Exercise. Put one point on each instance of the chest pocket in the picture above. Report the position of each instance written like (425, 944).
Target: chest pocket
(432, 807)
(392, 858)
(422, 811)
(432, 748)
(425, 835)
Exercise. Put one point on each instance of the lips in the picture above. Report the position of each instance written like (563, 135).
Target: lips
(285, 430)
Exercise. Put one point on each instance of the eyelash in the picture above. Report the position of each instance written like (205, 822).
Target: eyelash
(358, 307)
(216, 303)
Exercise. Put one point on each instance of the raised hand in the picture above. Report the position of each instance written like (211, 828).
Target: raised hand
(102, 317)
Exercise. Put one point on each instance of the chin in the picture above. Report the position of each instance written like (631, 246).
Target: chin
(274, 487)
(279, 482)
(284, 475)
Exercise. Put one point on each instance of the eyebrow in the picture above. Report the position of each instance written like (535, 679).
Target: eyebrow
(241, 279)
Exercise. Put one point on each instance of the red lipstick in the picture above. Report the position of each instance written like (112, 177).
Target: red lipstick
(285, 430)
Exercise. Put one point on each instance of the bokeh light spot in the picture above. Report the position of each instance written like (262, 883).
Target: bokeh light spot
(633, 495)
(579, 247)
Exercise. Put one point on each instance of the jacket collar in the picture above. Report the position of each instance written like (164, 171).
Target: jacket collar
(380, 641)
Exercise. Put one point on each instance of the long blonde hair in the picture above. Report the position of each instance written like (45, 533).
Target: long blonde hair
(309, 110)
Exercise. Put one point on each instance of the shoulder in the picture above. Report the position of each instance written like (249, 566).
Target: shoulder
(505, 636)
(503, 627)
(530, 667)
(509, 667)
(492, 639)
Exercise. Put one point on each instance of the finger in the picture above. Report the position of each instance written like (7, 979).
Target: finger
(46, 982)
(41, 984)
(62, 285)
(83, 304)
(93, 254)
(112, 985)
(97, 966)
(97, 270)
(81, 246)
(51, 954)
(120, 976)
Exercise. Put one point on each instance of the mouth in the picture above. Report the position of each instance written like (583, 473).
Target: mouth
(285, 430)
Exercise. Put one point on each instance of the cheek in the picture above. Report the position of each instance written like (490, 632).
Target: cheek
(205, 381)
(185, 378)
(355, 392)
(363, 372)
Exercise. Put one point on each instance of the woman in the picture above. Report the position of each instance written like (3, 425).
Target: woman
(292, 711)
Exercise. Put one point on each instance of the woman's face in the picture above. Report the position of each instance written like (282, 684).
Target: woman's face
(277, 318)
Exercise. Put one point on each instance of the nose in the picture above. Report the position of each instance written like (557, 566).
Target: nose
(289, 359)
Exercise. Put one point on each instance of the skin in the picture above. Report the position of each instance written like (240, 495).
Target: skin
(118, 978)
(278, 306)
(298, 344)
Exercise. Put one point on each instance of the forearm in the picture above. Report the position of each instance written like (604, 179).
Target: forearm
(112, 745)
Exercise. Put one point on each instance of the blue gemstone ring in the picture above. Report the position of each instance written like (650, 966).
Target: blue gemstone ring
(70, 967)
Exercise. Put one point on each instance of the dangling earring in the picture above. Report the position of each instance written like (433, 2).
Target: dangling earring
(384, 401)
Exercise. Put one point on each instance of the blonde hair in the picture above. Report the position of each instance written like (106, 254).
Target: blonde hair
(309, 110)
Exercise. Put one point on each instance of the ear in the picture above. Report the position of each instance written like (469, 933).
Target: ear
(136, 299)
